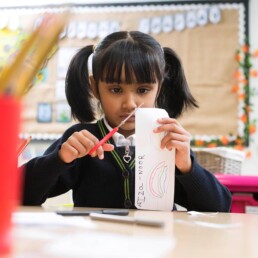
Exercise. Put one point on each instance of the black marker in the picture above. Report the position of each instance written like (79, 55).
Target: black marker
(121, 212)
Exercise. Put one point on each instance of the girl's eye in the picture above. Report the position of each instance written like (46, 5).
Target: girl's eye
(115, 90)
(143, 90)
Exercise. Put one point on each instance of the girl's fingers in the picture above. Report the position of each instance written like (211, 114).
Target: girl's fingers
(175, 135)
(168, 120)
(74, 143)
(70, 150)
(168, 124)
(108, 147)
(171, 139)
(179, 145)
(82, 143)
(79, 144)
(170, 128)
(100, 151)
(68, 153)
(88, 138)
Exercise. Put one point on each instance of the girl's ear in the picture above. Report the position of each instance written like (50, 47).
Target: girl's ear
(94, 87)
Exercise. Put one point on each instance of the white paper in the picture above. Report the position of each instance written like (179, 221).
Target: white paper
(154, 167)
(49, 219)
(77, 236)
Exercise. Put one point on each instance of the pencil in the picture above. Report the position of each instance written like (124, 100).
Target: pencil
(50, 29)
(8, 74)
(127, 220)
(17, 77)
(23, 145)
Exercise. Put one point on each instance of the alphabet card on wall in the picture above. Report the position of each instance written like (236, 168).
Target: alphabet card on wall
(154, 167)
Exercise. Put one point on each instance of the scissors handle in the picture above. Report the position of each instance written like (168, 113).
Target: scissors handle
(102, 141)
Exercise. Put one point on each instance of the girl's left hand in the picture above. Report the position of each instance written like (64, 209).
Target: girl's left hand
(176, 137)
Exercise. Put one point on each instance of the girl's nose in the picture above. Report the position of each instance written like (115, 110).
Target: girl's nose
(129, 102)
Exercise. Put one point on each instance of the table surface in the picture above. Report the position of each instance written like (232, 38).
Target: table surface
(42, 233)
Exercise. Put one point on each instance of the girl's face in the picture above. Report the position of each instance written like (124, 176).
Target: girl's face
(119, 100)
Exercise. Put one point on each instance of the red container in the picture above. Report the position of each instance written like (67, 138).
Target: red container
(243, 189)
(9, 177)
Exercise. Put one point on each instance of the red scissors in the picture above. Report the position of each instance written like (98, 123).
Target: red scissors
(109, 135)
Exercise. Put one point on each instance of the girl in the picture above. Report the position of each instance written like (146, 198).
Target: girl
(125, 70)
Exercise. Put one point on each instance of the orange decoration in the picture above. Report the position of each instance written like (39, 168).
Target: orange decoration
(244, 118)
(224, 140)
(248, 154)
(235, 88)
(254, 73)
(239, 141)
(244, 81)
(241, 96)
(248, 109)
(245, 48)
(255, 54)
(199, 142)
(237, 75)
(252, 129)
(239, 147)
(238, 57)
(211, 145)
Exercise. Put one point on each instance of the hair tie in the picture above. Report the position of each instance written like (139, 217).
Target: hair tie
(89, 64)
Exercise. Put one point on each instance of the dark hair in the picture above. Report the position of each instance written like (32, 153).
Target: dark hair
(144, 61)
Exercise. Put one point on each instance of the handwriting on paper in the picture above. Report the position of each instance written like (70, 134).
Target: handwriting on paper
(154, 167)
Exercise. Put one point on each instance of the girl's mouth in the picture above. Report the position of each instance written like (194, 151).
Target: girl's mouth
(130, 120)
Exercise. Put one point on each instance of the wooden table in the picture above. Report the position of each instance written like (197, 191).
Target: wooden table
(219, 235)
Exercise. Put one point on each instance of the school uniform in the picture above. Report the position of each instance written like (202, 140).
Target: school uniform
(109, 183)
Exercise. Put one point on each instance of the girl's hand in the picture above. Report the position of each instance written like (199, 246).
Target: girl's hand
(79, 144)
(176, 137)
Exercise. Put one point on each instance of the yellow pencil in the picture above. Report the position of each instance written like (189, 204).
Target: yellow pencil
(9, 71)
(50, 29)
(17, 77)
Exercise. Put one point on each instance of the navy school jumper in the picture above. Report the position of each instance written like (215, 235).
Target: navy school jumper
(108, 184)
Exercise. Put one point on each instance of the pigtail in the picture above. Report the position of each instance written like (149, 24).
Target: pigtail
(175, 95)
(77, 86)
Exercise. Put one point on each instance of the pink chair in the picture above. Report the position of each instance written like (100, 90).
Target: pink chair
(244, 190)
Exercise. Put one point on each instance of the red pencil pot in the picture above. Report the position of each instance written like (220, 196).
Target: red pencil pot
(9, 177)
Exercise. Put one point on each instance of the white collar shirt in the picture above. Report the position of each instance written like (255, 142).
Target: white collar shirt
(119, 139)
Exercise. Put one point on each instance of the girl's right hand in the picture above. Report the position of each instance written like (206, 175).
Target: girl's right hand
(79, 144)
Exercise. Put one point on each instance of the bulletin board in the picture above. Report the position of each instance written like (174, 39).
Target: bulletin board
(205, 36)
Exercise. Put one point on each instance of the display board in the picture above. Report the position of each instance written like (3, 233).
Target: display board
(205, 36)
